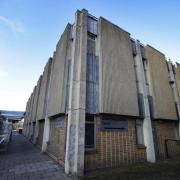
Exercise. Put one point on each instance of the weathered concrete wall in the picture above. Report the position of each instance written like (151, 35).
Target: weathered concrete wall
(27, 116)
(118, 90)
(74, 161)
(35, 101)
(114, 148)
(177, 70)
(31, 105)
(57, 100)
(31, 113)
(143, 89)
(25, 119)
(41, 108)
(164, 104)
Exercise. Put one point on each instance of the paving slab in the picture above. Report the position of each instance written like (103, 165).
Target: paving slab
(24, 161)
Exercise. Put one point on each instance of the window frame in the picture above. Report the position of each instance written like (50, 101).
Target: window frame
(90, 122)
(139, 123)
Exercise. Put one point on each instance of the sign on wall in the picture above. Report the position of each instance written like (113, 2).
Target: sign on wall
(114, 124)
(60, 122)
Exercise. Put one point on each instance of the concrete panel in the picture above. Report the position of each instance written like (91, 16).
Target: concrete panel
(31, 104)
(177, 76)
(57, 100)
(43, 91)
(164, 104)
(118, 90)
(27, 109)
(36, 97)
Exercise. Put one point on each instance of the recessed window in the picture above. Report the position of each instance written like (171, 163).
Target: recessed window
(89, 132)
(92, 25)
(139, 132)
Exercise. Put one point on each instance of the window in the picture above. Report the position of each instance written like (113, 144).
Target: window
(177, 131)
(141, 105)
(114, 123)
(139, 132)
(89, 132)
(151, 106)
(133, 45)
(69, 69)
(143, 52)
(92, 77)
(92, 25)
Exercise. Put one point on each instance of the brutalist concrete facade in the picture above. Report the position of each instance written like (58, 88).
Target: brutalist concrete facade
(104, 100)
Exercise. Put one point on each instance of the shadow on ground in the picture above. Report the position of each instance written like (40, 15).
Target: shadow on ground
(164, 170)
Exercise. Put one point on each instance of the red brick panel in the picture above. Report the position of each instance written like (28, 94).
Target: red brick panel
(114, 148)
(167, 130)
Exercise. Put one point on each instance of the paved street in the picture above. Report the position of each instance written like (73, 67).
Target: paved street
(23, 161)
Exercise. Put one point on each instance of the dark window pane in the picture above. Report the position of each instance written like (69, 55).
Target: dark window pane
(89, 135)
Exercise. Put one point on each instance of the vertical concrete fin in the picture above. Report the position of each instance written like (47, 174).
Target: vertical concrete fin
(74, 160)
(142, 89)
(173, 82)
(47, 120)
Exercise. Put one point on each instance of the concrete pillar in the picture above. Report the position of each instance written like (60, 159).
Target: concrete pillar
(142, 88)
(75, 142)
(47, 120)
(175, 91)
(36, 132)
(46, 133)
(30, 130)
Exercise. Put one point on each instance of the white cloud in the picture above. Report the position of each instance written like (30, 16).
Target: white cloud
(13, 25)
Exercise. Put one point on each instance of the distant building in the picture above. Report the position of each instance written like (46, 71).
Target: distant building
(104, 100)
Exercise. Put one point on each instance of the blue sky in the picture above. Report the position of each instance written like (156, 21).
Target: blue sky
(29, 31)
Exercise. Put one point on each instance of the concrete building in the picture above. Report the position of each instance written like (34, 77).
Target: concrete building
(104, 100)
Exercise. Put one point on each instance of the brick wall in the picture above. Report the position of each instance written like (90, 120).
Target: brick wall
(167, 130)
(57, 141)
(114, 148)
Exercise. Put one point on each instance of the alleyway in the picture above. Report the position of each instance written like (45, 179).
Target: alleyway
(23, 161)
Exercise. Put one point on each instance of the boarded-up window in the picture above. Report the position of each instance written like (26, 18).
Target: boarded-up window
(111, 123)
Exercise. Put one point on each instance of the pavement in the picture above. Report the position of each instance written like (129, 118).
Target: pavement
(24, 161)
